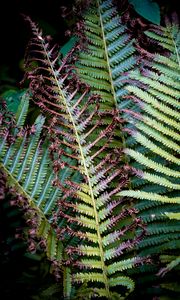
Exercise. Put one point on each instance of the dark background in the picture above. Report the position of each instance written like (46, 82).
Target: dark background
(15, 33)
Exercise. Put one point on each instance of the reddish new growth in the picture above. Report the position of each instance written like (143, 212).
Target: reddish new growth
(31, 217)
(2, 185)
(7, 123)
(81, 149)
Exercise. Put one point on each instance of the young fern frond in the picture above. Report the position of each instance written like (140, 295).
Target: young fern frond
(93, 214)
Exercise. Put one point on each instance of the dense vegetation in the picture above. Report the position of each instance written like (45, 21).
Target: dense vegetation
(89, 177)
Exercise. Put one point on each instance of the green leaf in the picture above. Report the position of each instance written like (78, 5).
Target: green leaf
(175, 216)
(148, 9)
(152, 124)
(13, 99)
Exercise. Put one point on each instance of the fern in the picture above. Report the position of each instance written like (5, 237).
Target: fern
(157, 107)
(73, 183)
(108, 54)
(154, 157)
(24, 161)
(150, 123)
(94, 216)
(156, 91)
(154, 138)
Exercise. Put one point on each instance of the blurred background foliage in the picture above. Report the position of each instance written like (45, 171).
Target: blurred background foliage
(23, 275)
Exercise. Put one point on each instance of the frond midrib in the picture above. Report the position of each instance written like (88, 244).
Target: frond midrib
(111, 80)
(107, 57)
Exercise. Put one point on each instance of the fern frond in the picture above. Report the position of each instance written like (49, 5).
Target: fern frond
(109, 53)
(88, 205)
(175, 216)
(122, 265)
(160, 240)
(168, 38)
(157, 167)
(153, 148)
(147, 133)
(28, 170)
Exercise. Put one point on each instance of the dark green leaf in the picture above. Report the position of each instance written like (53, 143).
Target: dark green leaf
(12, 98)
(148, 9)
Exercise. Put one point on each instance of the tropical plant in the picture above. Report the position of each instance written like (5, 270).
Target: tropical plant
(153, 145)
(97, 168)
(156, 155)
(102, 223)
(155, 81)
(78, 144)
(108, 53)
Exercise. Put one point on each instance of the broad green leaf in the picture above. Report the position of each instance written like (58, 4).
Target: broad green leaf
(13, 99)
(148, 9)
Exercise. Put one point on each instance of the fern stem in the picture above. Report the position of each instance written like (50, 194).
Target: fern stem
(107, 57)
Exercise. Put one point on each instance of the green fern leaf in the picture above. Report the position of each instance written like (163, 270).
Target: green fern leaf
(109, 53)
(88, 207)
(27, 167)
(175, 216)
(153, 147)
